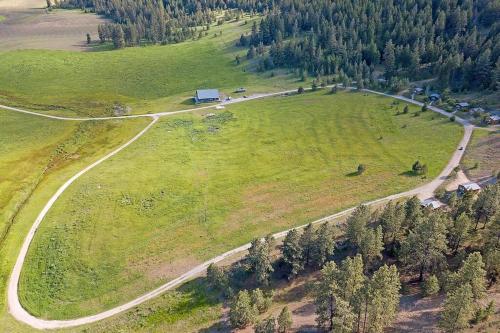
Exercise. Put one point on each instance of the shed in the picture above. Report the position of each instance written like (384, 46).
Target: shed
(435, 97)
(431, 203)
(493, 120)
(477, 110)
(462, 105)
(468, 187)
(418, 91)
(207, 96)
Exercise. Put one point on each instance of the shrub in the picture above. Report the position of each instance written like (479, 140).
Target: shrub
(300, 90)
(452, 118)
(430, 286)
(361, 169)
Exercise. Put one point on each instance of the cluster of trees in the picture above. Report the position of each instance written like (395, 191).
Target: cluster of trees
(155, 21)
(361, 293)
(458, 41)
(349, 301)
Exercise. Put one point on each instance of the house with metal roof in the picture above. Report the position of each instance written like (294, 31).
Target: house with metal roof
(468, 187)
(435, 97)
(462, 106)
(207, 96)
(431, 203)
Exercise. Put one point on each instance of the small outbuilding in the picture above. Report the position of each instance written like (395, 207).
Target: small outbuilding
(431, 203)
(477, 110)
(418, 91)
(435, 97)
(468, 187)
(493, 119)
(207, 96)
(462, 106)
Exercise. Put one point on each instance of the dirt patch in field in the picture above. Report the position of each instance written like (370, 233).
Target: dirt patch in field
(481, 158)
(164, 271)
(28, 25)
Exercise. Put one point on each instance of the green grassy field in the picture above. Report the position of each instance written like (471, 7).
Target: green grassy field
(194, 187)
(26, 150)
(148, 79)
(36, 156)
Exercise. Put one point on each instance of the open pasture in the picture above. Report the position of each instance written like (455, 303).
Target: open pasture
(196, 186)
(146, 79)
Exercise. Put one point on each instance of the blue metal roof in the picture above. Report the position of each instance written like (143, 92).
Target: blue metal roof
(207, 94)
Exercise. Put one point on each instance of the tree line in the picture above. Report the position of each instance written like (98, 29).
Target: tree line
(455, 251)
(456, 41)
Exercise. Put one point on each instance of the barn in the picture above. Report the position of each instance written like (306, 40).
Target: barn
(207, 96)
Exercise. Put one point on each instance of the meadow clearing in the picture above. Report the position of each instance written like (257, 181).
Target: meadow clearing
(195, 186)
(147, 79)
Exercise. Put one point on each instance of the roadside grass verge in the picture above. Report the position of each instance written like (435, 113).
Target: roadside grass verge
(196, 186)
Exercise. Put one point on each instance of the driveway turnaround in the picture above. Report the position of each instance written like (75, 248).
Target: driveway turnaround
(18, 312)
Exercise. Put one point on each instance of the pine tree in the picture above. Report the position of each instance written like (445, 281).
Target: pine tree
(259, 258)
(459, 231)
(356, 225)
(241, 312)
(372, 245)
(292, 253)
(430, 286)
(268, 325)
(389, 60)
(325, 244)
(472, 272)
(284, 320)
(260, 301)
(392, 220)
(118, 37)
(218, 279)
(308, 244)
(325, 292)
(384, 292)
(458, 309)
(425, 246)
(487, 204)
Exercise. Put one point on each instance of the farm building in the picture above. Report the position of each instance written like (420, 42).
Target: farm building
(468, 187)
(207, 96)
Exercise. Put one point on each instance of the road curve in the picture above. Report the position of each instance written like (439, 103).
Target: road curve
(22, 315)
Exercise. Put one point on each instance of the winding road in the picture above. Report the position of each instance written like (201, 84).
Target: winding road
(22, 315)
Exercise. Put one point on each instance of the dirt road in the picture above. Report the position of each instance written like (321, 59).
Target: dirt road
(22, 315)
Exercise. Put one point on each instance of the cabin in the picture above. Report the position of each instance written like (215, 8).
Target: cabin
(435, 97)
(468, 187)
(492, 120)
(431, 203)
(240, 90)
(462, 106)
(418, 91)
(477, 110)
(207, 96)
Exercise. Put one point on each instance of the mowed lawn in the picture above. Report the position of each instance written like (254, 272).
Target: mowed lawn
(147, 79)
(196, 186)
